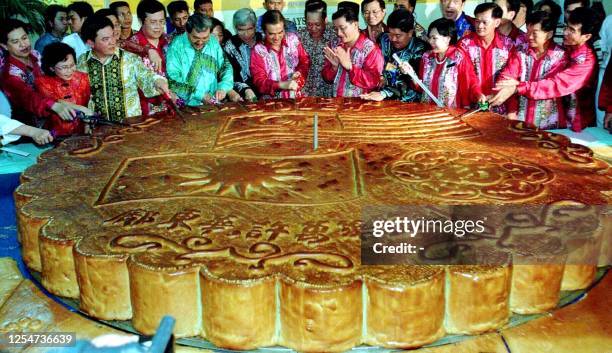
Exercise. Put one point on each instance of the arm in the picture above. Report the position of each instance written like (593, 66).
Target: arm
(260, 76)
(304, 61)
(368, 76)
(174, 73)
(226, 73)
(329, 71)
(145, 78)
(22, 95)
(239, 85)
(569, 80)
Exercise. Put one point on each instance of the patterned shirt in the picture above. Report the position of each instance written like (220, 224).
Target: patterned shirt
(239, 55)
(115, 83)
(464, 24)
(45, 40)
(396, 85)
(316, 86)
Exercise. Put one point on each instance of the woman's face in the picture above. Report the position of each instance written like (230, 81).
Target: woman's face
(438, 42)
(65, 68)
(75, 22)
(218, 32)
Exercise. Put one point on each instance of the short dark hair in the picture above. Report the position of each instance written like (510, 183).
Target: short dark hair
(528, 5)
(546, 20)
(9, 26)
(177, 6)
(445, 27)
(82, 9)
(586, 17)
(496, 11)
(271, 17)
(149, 7)
(513, 5)
(198, 22)
(365, 2)
(54, 53)
(197, 3)
(348, 13)
(50, 13)
(555, 10)
(106, 13)
(313, 6)
(116, 5)
(583, 3)
(92, 25)
(348, 4)
(401, 19)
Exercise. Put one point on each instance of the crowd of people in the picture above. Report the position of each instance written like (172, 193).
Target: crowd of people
(509, 55)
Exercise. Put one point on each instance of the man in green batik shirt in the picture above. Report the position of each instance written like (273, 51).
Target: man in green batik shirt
(114, 74)
(196, 65)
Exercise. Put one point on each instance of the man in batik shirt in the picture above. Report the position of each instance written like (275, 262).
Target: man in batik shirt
(510, 8)
(114, 74)
(410, 5)
(401, 41)
(238, 49)
(453, 10)
(315, 37)
(488, 49)
(197, 68)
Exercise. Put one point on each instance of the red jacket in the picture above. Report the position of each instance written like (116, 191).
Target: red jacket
(76, 91)
(577, 81)
(605, 93)
(368, 63)
(18, 85)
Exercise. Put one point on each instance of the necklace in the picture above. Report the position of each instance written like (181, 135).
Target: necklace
(438, 61)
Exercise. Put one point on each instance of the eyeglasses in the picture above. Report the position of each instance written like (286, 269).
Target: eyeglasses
(65, 67)
(372, 13)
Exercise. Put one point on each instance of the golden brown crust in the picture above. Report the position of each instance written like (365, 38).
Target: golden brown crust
(241, 195)
(477, 298)
(535, 288)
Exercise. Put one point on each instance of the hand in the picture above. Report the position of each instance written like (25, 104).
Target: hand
(482, 99)
(250, 95)
(220, 95)
(502, 95)
(373, 96)
(290, 85)
(330, 55)
(607, 123)
(344, 57)
(509, 82)
(406, 68)
(156, 60)
(162, 86)
(234, 96)
(64, 111)
(41, 136)
(80, 108)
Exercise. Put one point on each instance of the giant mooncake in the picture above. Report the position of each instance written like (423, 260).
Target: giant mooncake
(234, 224)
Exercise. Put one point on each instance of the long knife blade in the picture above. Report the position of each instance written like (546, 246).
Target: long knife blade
(420, 83)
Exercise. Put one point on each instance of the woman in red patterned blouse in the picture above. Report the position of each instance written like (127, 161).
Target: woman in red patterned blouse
(61, 81)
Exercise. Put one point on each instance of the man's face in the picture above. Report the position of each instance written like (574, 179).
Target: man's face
(537, 37)
(521, 16)
(116, 26)
(569, 9)
(179, 20)
(405, 4)
(315, 24)
(206, 10)
(346, 31)
(278, 5)
(572, 35)
(451, 9)
(197, 39)
(60, 22)
(76, 22)
(399, 39)
(124, 17)
(105, 43)
(373, 14)
(246, 32)
(485, 23)
(275, 34)
(154, 24)
(18, 44)
(507, 16)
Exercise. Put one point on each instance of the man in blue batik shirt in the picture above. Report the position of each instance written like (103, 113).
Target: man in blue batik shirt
(453, 10)
(399, 40)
